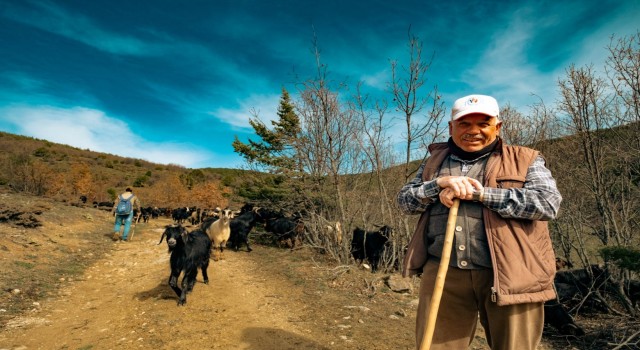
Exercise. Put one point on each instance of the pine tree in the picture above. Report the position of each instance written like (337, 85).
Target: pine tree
(277, 150)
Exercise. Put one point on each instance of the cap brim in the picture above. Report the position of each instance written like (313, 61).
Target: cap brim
(468, 111)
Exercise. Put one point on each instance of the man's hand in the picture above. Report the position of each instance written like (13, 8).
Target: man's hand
(457, 187)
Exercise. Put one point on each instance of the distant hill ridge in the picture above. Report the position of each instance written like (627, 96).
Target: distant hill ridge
(56, 170)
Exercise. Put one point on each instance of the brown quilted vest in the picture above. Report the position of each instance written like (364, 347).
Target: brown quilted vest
(521, 252)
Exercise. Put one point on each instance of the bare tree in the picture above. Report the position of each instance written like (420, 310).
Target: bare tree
(516, 128)
(527, 130)
(328, 146)
(375, 146)
(623, 69)
(423, 112)
(377, 149)
(407, 83)
(585, 102)
(606, 177)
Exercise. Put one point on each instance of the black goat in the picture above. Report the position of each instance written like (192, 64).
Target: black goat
(189, 251)
(180, 215)
(369, 245)
(633, 291)
(286, 230)
(194, 216)
(145, 213)
(241, 226)
(556, 315)
(584, 288)
(103, 205)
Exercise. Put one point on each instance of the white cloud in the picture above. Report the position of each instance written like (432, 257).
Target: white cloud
(592, 49)
(265, 106)
(504, 69)
(21, 81)
(377, 80)
(55, 19)
(91, 129)
(147, 41)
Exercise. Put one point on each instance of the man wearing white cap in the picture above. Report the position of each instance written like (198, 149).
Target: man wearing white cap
(502, 262)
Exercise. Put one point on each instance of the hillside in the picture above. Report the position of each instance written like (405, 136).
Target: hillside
(66, 173)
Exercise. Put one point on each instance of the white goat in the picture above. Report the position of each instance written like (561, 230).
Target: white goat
(219, 232)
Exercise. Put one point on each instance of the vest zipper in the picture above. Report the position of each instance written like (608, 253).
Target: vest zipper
(493, 294)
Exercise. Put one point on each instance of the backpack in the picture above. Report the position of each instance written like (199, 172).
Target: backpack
(124, 206)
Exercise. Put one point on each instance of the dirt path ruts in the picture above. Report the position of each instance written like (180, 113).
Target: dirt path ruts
(123, 302)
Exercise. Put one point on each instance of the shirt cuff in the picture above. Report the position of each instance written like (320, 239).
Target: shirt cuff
(491, 197)
(430, 189)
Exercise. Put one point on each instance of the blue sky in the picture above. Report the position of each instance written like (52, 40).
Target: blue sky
(175, 81)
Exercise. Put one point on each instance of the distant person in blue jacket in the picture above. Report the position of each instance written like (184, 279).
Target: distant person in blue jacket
(123, 210)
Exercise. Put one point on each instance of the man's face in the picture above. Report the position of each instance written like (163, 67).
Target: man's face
(474, 132)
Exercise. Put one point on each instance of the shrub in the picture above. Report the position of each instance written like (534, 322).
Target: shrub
(624, 257)
(140, 181)
(41, 152)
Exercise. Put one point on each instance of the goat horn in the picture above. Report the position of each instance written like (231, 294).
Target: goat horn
(162, 237)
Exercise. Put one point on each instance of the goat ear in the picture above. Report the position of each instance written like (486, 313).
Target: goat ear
(162, 237)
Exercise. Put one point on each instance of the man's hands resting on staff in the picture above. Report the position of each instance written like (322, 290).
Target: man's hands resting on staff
(458, 187)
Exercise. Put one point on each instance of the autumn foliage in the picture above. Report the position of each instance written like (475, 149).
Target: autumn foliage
(65, 173)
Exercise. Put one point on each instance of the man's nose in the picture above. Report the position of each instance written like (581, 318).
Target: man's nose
(473, 129)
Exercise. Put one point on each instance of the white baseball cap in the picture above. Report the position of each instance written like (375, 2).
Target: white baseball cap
(482, 104)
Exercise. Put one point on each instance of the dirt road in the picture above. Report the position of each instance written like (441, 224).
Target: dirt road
(123, 302)
(268, 299)
(65, 285)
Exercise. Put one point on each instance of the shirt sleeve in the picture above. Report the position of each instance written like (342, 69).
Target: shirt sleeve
(417, 195)
(538, 199)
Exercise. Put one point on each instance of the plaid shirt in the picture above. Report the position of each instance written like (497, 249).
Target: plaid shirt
(539, 199)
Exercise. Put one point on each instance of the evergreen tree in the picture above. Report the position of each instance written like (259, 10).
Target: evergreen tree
(277, 150)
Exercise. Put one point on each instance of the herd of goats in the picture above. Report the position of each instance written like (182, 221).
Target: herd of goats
(196, 236)
(192, 248)
(206, 232)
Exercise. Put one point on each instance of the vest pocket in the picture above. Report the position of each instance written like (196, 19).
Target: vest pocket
(510, 181)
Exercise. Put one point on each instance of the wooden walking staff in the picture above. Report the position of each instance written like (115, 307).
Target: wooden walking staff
(135, 223)
(442, 273)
